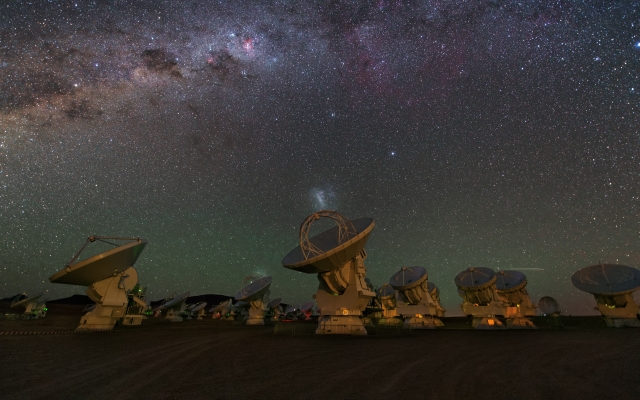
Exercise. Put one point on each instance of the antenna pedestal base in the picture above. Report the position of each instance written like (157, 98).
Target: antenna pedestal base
(256, 316)
(487, 323)
(132, 320)
(622, 322)
(393, 321)
(176, 316)
(619, 311)
(111, 299)
(342, 313)
(340, 325)
(520, 323)
(420, 321)
(101, 318)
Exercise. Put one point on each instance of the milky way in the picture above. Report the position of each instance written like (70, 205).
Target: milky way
(479, 133)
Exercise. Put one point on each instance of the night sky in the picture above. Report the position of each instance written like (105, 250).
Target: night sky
(502, 134)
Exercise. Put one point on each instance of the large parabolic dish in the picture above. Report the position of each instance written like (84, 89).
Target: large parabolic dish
(607, 279)
(174, 301)
(408, 278)
(509, 281)
(275, 302)
(26, 300)
(254, 290)
(475, 278)
(100, 266)
(333, 248)
(548, 305)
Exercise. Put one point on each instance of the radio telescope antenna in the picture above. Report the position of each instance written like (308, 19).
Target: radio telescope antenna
(551, 310)
(109, 276)
(253, 294)
(549, 306)
(511, 289)
(480, 299)
(414, 301)
(221, 310)
(337, 257)
(34, 307)
(306, 311)
(387, 298)
(175, 306)
(275, 309)
(612, 286)
(196, 310)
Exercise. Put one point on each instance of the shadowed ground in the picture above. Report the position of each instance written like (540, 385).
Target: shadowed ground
(208, 359)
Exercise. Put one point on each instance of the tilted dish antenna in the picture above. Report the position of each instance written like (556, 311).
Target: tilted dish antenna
(387, 298)
(612, 286)
(291, 312)
(254, 294)
(197, 310)
(337, 257)
(175, 306)
(306, 310)
(34, 307)
(480, 299)
(109, 276)
(434, 292)
(275, 309)
(549, 306)
(222, 309)
(511, 289)
(414, 302)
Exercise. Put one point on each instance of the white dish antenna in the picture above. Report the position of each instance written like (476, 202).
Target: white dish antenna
(253, 294)
(607, 279)
(519, 307)
(414, 301)
(24, 301)
(197, 310)
(194, 308)
(612, 286)
(175, 306)
(480, 299)
(175, 301)
(548, 306)
(101, 266)
(308, 306)
(254, 290)
(275, 302)
(34, 308)
(337, 256)
(109, 275)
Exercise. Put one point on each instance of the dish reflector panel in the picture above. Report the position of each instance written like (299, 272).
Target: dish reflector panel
(433, 289)
(254, 290)
(386, 291)
(199, 306)
(607, 279)
(509, 281)
(475, 278)
(334, 253)
(275, 302)
(101, 266)
(408, 278)
(306, 306)
(548, 305)
(26, 300)
(175, 301)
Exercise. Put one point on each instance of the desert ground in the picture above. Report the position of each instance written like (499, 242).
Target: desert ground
(223, 360)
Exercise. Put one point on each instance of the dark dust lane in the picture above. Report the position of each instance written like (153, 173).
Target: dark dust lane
(210, 360)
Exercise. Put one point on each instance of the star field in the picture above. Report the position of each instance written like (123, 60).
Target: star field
(501, 134)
